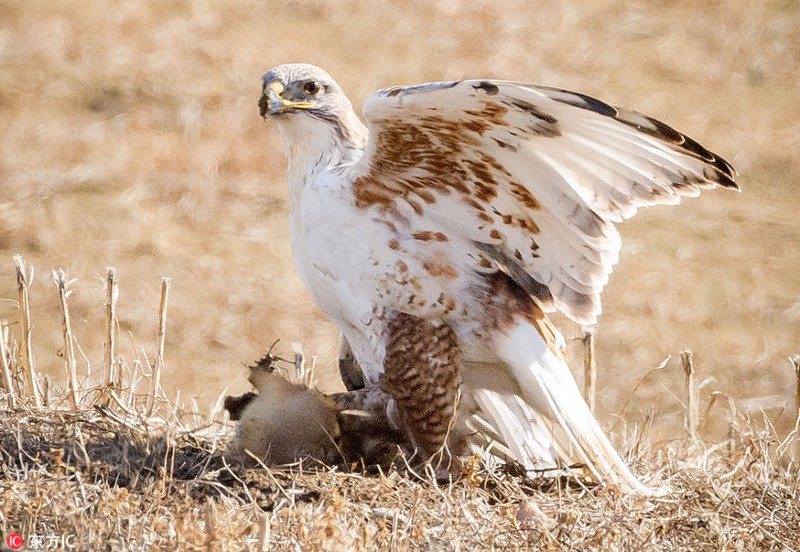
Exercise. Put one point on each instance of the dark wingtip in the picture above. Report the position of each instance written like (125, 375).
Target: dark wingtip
(727, 175)
(723, 174)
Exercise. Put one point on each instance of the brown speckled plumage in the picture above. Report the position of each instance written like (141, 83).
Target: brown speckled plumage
(422, 375)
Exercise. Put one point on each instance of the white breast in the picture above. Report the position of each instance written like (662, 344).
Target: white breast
(360, 264)
(332, 243)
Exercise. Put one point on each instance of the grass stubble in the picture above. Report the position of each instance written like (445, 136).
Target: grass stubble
(120, 466)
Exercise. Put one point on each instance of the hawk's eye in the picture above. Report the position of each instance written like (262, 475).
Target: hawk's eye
(312, 88)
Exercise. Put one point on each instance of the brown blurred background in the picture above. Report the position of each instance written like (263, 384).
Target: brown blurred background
(129, 137)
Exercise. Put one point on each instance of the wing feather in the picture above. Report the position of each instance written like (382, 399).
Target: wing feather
(534, 177)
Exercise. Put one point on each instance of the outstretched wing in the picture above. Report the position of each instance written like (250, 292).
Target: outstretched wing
(535, 177)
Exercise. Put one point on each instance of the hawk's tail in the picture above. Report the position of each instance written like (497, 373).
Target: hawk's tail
(535, 409)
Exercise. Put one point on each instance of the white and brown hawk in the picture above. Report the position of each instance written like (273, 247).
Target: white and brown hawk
(437, 237)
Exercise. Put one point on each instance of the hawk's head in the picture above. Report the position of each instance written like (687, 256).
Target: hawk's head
(306, 102)
(299, 88)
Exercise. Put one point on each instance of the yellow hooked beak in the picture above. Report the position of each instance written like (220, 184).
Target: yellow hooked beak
(272, 103)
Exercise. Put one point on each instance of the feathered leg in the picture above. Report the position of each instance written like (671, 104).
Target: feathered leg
(422, 377)
(352, 376)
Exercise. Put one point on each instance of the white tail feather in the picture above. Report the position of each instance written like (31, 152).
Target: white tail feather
(529, 391)
(517, 431)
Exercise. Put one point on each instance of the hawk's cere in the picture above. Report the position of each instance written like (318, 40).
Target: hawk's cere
(439, 235)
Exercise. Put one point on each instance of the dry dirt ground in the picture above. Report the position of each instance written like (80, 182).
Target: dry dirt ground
(129, 137)
(105, 479)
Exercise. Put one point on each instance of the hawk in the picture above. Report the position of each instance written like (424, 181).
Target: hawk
(440, 234)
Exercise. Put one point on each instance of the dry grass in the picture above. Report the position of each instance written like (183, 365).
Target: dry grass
(129, 137)
(118, 466)
(116, 479)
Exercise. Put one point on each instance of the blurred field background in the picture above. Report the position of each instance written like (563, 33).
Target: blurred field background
(129, 137)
